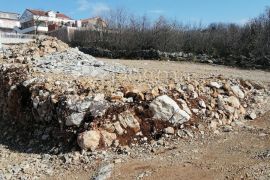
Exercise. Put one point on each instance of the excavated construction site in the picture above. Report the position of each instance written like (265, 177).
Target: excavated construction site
(65, 106)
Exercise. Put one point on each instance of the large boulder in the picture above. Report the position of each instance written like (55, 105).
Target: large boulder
(166, 109)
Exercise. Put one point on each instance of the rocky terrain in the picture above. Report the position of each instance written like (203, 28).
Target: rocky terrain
(67, 114)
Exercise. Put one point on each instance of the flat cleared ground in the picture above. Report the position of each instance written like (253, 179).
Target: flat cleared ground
(194, 69)
(234, 155)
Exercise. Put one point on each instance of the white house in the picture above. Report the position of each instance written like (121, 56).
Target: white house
(8, 21)
(40, 22)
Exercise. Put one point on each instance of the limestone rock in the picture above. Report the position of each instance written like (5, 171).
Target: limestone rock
(185, 106)
(119, 130)
(128, 120)
(99, 97)
(46, 43)
(155, 92)
(252, 115)
(238, 92)
(74, 119)
(78, 108)
(190, 88)
(194, 95)
(169, 130)
(195, 111)
(109, 127)
(98, 108)
(233, 101)
(202, 104)
(242, 110)
(221, 103)
(229, 109)
(213, 125)
(166, 109)
(108, 138)
(89, 140)
(215, 85)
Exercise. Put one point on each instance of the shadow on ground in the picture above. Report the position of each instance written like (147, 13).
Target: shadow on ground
(36, 138)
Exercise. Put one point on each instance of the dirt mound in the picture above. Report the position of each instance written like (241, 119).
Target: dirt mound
(43, 45)
(57, 89)
(125, 114)
(50, 55)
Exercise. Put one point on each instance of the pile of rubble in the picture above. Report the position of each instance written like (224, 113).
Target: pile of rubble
(145, 115)
(50, 55)
(126, 115)
(76, 63)
(104, 114)
(23, 53)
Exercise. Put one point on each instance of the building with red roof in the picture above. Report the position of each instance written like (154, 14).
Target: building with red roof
(40, 22)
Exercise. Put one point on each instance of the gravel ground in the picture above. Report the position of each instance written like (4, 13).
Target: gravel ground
(240, 154)
(194, 69)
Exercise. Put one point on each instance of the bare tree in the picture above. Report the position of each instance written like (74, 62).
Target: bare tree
(127, 32)
(37, 23)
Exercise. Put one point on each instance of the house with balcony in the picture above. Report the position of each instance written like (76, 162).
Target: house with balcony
(40, 22)
(8, 21)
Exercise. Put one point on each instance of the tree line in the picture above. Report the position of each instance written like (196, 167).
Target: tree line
(133, 33)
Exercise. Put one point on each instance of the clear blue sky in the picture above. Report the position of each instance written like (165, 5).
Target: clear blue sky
(206, 11)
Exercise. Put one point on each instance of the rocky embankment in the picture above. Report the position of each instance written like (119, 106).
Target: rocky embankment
(70, 99)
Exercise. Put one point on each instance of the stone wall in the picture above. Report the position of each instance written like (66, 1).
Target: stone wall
(65, 34)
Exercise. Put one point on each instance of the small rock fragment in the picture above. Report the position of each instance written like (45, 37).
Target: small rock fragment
(234, 102)
(169, 130)
(74, 119)
(99, 97)
(238, 92)
(89, 140)
(252, 116)
(119, 130)
(202, 104)
(108, 138)
(127, 119)
(215, 85)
